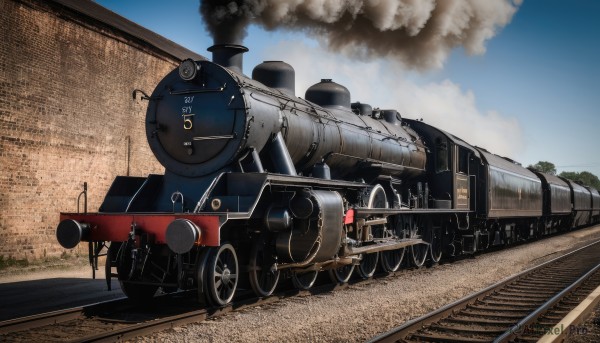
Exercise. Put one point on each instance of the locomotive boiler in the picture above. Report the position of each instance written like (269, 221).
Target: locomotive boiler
(204, 118)
(261, 184)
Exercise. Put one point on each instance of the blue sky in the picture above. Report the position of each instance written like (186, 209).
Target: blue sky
(533, 95)
(543, 69)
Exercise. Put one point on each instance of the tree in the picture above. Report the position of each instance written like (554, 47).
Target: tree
(544, 167)
(584, 177)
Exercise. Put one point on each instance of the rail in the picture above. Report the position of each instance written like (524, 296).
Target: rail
(122, 319)
(515, 308)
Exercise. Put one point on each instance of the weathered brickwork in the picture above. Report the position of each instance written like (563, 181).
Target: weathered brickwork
(66, 117)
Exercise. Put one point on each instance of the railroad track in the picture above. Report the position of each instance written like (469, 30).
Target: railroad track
(122, 319)
(522, 308)
(107, 321)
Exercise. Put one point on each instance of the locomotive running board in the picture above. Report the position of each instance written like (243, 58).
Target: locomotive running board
(362, 212)
(393, 245)
(350, 254)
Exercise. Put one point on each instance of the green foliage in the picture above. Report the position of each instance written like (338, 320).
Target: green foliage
(585, 177)
(544, 167)
(12, 262)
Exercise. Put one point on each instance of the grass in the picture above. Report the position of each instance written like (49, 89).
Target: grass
(12, 265)
(12, 262)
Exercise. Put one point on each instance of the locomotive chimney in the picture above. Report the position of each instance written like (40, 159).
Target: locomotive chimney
(229, 56)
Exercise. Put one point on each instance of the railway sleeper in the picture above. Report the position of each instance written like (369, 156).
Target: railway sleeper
(420, 337)
(498, 308)
(547, 323)
(557, 275)
(522, 300)
(525, 289)
(490, 313)
(507, 305)
(551, 315)
(560, 307)
(571, 302)
(466, 319)
(528, 295)
(528, 339)
(471, 329)
(544, 283)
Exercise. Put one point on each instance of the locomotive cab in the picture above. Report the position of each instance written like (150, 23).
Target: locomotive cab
(452, 164)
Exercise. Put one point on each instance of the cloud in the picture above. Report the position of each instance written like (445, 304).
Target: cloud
(386, 85)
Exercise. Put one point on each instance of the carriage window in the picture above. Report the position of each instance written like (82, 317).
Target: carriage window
(441, 157)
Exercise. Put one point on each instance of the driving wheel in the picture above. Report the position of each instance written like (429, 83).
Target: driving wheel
(262, 272)
(304, 280)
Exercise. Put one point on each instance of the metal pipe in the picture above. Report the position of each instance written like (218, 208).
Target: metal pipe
(84, 193)
(128, 138)
(280, 155)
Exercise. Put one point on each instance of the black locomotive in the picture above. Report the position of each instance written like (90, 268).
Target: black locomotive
(261, 184)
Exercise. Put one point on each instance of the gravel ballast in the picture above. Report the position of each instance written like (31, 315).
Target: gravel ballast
(366, 309)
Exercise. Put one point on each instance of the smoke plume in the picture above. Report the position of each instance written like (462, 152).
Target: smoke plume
(418, 33)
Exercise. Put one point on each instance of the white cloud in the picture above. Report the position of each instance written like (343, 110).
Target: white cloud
(381, 84)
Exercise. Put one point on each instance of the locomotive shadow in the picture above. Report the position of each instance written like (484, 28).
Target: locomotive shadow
(25, 298)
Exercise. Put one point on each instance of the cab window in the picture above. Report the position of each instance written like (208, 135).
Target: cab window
(441, 155)
(463, 161)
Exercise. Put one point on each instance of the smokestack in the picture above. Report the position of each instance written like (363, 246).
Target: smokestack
(226, 21)
(229, 56)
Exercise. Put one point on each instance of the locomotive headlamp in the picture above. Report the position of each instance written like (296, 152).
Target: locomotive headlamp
(188, 69)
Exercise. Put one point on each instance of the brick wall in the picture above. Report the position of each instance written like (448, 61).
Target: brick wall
(66, 116)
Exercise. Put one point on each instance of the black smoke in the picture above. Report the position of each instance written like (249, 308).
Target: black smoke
(226, 20)
(417, 33)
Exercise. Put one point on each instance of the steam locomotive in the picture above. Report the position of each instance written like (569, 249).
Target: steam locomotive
(262, 185)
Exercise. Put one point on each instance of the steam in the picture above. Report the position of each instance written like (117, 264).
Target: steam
(418, 33)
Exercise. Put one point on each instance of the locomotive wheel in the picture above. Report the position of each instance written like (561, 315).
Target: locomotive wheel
(341, 274)
(435, 243)
(368, 265)
(133, 291)
(223, 272)
(418, 252)
(263, 278)
(392, 259)
(304, 280)
(201, 277)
